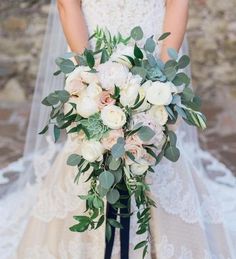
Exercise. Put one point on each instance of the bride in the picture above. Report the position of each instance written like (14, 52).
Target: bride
(192, 210)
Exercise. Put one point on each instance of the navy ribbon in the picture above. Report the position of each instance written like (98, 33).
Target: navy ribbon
(124, 232)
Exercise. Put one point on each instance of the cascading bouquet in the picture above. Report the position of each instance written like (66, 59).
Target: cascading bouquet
(119, 100)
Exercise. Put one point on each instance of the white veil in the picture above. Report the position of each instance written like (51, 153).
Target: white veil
(54, 46)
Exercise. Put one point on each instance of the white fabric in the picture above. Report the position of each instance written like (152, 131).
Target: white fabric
(195, 215)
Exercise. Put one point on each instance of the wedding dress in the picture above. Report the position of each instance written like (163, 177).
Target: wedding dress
(194, 212)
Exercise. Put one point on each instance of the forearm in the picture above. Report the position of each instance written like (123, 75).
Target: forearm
(175, 22)
(73, 24)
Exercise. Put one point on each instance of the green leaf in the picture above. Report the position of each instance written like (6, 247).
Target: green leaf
(184, 61)
(114, 164)
(97, 203)
(56, 132)
(188, 94)
(150, 45)
(53, 99)
(73, 160)
(45, 102)
(113, 196)
(118, 150)
(118, 175)
(108, 232)
(172, 53)
(139, 71)
(100, 221)
(63, 95)
(102, 191)
(104, 57)
(137, 52)
(89, 58)
(146, 133)
(170, 73)
(137, 33)
(114, 223)
(67, 66)
(81, 227)
(173, 138)
(106, 179)
(164, 36)
(58, 72)
(172, 153)
(151, 60)
(140, 245)
(45, 129)
(180, 79)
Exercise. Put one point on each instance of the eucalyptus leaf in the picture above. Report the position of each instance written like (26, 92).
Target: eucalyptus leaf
(146, 133)
(139, 71)
(114, 164)
(56, 132)
(150, 45)
(118, 150)
(45, 129)
(172, 153)
(106, 179)
(172, 53)
(113, 196)
(137, 33)
(63, 95)
(184, 61)
(73, 160)
(67, 66)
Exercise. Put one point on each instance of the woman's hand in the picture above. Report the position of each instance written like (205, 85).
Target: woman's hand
(73, 24)
(175, 22)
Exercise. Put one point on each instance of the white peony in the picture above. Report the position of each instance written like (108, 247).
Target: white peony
(139, 168)
(120, 53)
(159, 93)
(89, 77)
(86, 106)
(130, 90)
(92, 150)
(159, 114)
(111, 74)
(113, 117)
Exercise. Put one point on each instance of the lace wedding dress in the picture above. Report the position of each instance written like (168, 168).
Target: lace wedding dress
(192, 208)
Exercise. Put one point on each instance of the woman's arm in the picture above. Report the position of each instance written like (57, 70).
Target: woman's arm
(73, 24)
(175, 21)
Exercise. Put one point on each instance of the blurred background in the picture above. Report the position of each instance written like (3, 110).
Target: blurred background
(212, 39)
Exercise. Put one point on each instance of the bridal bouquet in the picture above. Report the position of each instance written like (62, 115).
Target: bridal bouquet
(120, 100)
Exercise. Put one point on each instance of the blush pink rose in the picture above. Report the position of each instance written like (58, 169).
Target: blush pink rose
(133, 145)
(105, 99)
(111, 138)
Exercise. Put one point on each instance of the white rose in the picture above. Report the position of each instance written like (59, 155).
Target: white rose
(142, 93)
(86, 106)
(111, 74)
(93, 90)
(159, 114)
(74, 84)
(92, 150)
(159, 93)
(139, 169)
(130, 90)
(120, 53)
(113, 117)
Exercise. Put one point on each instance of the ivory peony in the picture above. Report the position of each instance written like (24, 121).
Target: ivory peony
(159, 93)
(112, 74)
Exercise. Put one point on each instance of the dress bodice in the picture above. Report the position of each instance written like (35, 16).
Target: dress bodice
(123, 15)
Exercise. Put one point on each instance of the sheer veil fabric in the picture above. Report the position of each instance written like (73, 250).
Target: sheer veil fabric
(196, 207)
